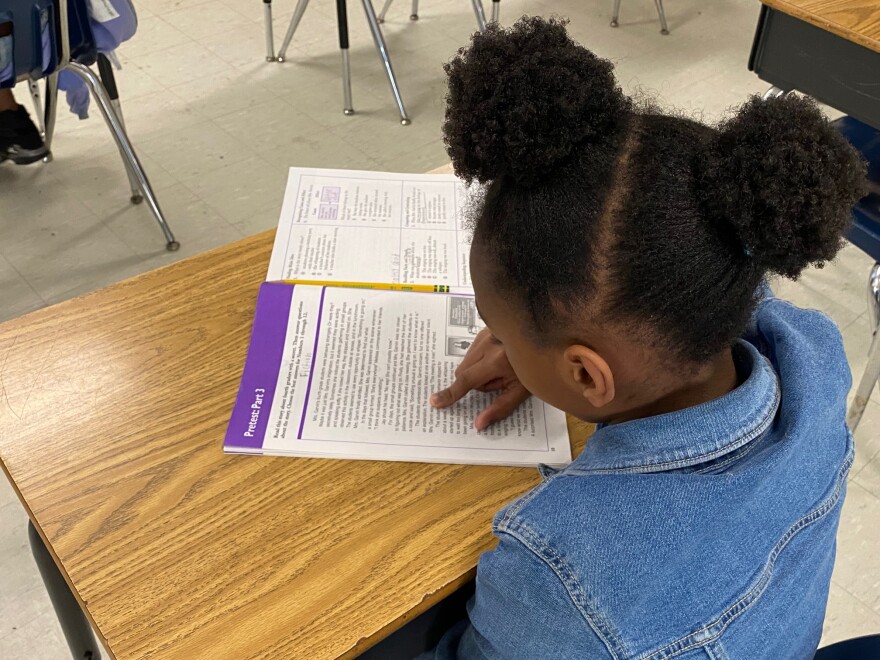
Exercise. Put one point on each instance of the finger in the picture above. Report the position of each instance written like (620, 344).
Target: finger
(469, 379)
(492, 385)
(473, 356)
(503, 405)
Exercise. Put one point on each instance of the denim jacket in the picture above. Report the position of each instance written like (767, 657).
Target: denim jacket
(705, 533)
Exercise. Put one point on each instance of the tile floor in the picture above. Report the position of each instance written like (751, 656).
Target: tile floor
(216, 126)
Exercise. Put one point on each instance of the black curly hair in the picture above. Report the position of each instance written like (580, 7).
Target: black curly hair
(596, 204)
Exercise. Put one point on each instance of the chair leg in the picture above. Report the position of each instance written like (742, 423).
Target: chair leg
(773, 93)
(76, 628)
(342, 25)
(496, 10)
(109, 80)
(36, 97)
(615, 13)
(480, 14)
(381, 17)
(270, 37)
(874, 297)
(51, 112)
(100, 95)
(294, 23)
(663, 27)
(414, 16)
(386, 60)
(866, 385)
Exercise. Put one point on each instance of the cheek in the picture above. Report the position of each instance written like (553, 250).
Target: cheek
(536, 373)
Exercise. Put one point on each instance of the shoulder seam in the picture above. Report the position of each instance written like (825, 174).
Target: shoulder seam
(532, 541)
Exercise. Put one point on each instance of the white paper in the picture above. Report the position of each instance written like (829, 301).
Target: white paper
(102, 10)
(356, 384)
(348, 225)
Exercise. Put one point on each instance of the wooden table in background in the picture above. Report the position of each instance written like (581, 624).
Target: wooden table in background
(114, 406)
(829, 49)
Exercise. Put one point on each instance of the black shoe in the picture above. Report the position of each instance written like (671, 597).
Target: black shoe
(20, 140)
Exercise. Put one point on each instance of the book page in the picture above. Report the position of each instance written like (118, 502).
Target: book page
(353, 374)
(348, 225)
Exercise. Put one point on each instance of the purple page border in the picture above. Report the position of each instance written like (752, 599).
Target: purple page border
(302, 421)
(261, 369)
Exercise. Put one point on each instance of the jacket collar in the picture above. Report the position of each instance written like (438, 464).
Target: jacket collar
(691, 436)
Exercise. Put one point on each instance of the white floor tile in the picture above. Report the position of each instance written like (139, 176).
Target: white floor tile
(857, 569)
(197, 226)
(196, 150)
(866, 468)
(243, 189)
(856, 342)
(19, 297)
(847, 617)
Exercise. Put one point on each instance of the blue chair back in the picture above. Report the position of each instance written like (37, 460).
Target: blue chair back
(864, 232)
(866, 139)
(32, 20)
(859, 648)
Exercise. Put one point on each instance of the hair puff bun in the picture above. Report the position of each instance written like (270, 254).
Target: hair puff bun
(522, 99)
(784, 180)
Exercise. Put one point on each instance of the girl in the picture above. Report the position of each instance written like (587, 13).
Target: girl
(618, 259)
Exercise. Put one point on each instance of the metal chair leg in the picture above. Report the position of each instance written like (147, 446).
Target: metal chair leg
(872, 370)
(116, 129)
(866, 385)
(480, 14)
(36, 97)
(874, 297)
(270, 38)
(50, 113)
(76, 628)
(615, 13)
(773, 93)
(342, 25)
(414, 16)
(663, 27)
(294, 23)
(105, 69)
(496, 10)
(386, 60)
(381, 17)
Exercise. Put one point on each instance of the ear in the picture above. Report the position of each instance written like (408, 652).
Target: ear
(590, 375)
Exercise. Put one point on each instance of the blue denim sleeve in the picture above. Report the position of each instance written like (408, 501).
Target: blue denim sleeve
(520, 610)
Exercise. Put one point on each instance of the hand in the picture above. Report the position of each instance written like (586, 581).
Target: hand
(485, 368)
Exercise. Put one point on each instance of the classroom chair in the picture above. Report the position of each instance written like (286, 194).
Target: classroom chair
(342, 24)
(864, 233)
(858, 648)
(71, 47)
(615, 14)
(479, 12)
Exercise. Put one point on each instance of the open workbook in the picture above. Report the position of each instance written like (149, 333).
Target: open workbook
(346, 372)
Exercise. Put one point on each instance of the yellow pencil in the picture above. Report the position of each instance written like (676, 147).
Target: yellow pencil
(423, 288)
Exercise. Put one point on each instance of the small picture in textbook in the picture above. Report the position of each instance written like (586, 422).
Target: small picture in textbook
(462, 311)
(458, 345)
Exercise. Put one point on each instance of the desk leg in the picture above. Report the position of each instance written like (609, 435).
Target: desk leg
(480, 14)
(270, 37)
(73, 622)
(379, 40)
(342, 26)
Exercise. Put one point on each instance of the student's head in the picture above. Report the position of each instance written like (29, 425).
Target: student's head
(617, 251)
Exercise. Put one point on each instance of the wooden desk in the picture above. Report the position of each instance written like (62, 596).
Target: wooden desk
(829, 49)
(113, 411)
(854, 20)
